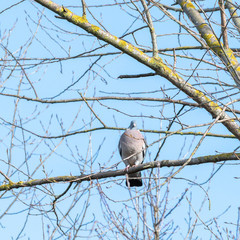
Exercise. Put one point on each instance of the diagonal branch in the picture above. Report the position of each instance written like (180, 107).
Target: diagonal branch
(154, 63)
(225, 54)
(84, 99)
(233, 11)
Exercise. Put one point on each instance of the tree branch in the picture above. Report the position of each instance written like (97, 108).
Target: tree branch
(137, 75)
(226, 55)
(233, 11)
(154, 63)
(105, 98)
(151, 28)
(223, 24)
(103, 175)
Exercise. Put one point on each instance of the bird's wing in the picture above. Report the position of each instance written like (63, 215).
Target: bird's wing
(144, 147)
(120, 148)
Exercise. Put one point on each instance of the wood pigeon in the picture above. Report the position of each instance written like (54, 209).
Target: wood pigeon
(132, 149)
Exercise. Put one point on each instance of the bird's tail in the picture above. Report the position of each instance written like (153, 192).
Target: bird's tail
(134, 180)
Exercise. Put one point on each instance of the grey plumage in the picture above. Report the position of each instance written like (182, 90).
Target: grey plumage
(132, 149)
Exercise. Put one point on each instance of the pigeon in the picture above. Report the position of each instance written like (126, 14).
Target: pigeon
(132, 149)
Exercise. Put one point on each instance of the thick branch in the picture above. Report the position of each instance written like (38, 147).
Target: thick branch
(180, 10)
(233, 11)
(154, 63)
(116, 173)
(226, 55)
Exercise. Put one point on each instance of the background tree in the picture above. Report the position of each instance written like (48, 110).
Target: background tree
(73, 76)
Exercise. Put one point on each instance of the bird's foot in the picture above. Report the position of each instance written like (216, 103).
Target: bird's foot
(126, 168)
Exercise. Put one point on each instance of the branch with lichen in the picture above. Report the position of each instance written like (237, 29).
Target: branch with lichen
(156, 64)
(103, 175)
(225, 54)
(233, 11)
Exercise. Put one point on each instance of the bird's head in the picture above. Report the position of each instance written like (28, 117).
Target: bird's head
(133, 125)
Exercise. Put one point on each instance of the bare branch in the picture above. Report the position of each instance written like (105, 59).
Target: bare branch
(155, 64)
(117, 173)
(151, 28)
(223, 23)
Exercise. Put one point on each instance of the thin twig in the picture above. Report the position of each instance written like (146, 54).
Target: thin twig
(21, 68)
(5, 176)
(151, 28)
(223, 23)
(84, 7)
(92, 110)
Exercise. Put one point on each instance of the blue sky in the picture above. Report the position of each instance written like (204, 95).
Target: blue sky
(67, 156)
